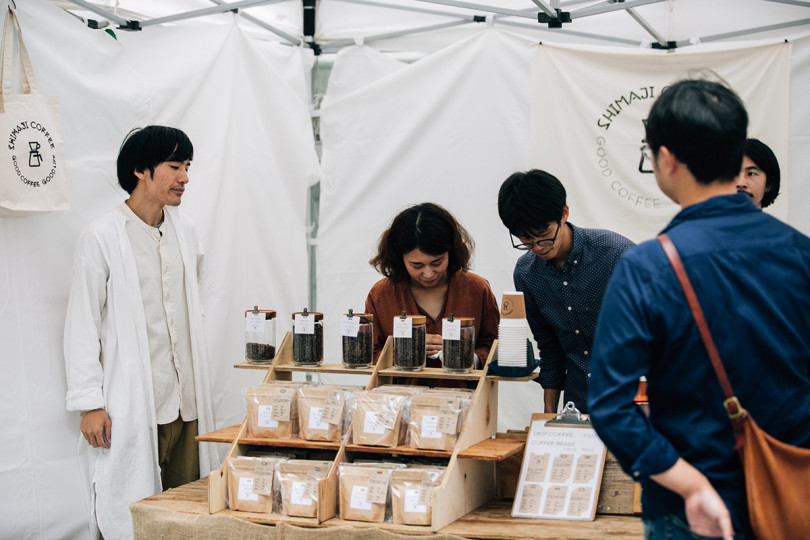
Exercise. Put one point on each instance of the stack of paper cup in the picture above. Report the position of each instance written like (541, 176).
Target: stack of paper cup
(512, 331)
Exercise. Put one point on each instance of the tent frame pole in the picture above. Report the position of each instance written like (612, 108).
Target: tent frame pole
(99, 11)
(336, 45)
(221, 8)
(270, 28)
(647, 26)
(609, 6)
(488, 9)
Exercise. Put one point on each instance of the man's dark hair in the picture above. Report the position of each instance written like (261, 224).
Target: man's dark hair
(429, 228)
(703, 123)
(759, 152)
(146, 148)
(528, 202)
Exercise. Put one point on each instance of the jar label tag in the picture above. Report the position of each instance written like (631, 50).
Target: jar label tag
(403, 328)
(349, 326)
(254, 322)
(451, 330)
(304, 325)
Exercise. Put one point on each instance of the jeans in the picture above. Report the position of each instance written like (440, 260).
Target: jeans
(672, 527)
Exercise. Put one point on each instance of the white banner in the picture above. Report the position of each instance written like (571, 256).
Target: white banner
(588, 112)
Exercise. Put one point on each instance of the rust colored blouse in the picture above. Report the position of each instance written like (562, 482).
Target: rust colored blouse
(468, 295)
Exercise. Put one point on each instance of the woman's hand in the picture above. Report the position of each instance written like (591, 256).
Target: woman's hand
(433, 344)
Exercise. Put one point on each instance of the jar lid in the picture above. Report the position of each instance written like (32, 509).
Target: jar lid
(268, 313)
(463, 321)
(364, 317)
(318, 316)
(415, 319)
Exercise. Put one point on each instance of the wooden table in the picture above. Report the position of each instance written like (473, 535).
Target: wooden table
(490, 521)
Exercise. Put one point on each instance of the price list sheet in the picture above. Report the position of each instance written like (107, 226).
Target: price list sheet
(561, 472)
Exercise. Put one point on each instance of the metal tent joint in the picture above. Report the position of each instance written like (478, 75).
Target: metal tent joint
(134, 26)
(556, 21)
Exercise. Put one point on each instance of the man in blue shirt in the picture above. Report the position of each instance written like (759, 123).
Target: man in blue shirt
(751, 274)
(563, 279)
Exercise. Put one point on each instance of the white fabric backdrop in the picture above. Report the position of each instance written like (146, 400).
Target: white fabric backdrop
(447, 129)
(254, 160)
(796, 175)
(602, 97)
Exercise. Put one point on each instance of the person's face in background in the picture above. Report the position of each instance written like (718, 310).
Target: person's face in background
(752, 181)
(426, 270)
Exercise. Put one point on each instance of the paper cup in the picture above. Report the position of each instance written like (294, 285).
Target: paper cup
(513, 306)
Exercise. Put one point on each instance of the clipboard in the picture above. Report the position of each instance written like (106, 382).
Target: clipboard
(562, 468)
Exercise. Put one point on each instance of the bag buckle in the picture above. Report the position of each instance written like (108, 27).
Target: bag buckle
(733, 407)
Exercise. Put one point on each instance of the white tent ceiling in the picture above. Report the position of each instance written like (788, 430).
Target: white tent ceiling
(426, 25)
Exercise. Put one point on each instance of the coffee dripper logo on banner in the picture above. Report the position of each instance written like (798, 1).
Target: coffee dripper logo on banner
(608, 155)
(33, 153)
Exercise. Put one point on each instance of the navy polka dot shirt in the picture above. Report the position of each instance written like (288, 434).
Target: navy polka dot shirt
(562, 306)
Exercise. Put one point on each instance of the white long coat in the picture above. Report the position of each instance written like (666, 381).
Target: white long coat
(108, 365)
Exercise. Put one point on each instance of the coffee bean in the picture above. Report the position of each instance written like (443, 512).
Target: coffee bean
(259, 353)
(409, 353)
(308, 348)
(358, 351)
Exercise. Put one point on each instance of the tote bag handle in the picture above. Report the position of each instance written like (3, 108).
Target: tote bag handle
(10, 28)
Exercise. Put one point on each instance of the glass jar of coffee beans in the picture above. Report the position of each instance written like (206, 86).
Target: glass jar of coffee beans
(357, 334)
(307, 338)
(458, 344)
(409, 342)
(260, 335)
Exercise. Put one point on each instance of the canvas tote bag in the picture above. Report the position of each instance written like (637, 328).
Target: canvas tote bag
(32, 162)
(777, 475)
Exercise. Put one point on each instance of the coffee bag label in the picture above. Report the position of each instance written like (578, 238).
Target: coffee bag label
(245, 491)
(263, 470)
(378, 487)
(265, 417)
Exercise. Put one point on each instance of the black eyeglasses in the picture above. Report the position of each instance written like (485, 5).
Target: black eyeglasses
(646, 152)
(547, 242)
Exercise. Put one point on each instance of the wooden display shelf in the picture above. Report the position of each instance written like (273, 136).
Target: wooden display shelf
(466, 483)
(224, 435)
(487, 450)
(431, 373)
(250, 365)
(492, 450)
(161, 513)
(397, 450)
(529, 377)
(229, 434)
(327, 368)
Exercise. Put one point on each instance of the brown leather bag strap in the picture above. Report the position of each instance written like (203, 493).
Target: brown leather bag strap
(731, 403)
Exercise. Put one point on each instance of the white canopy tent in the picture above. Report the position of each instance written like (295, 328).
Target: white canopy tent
(245, 85)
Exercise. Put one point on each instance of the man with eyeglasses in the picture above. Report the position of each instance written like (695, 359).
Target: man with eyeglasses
(750, 275)
(562, 278)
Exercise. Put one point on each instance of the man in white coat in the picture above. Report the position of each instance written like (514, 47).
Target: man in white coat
(135, 352)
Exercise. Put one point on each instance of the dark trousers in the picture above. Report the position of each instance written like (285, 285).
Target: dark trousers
(178, 453)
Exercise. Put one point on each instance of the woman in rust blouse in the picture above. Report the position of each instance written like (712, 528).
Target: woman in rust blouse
(425, 256)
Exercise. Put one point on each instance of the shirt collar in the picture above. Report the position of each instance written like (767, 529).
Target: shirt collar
(127, 211)
(715, 206)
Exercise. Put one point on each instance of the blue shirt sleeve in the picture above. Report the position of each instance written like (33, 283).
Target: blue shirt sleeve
(623, 348)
